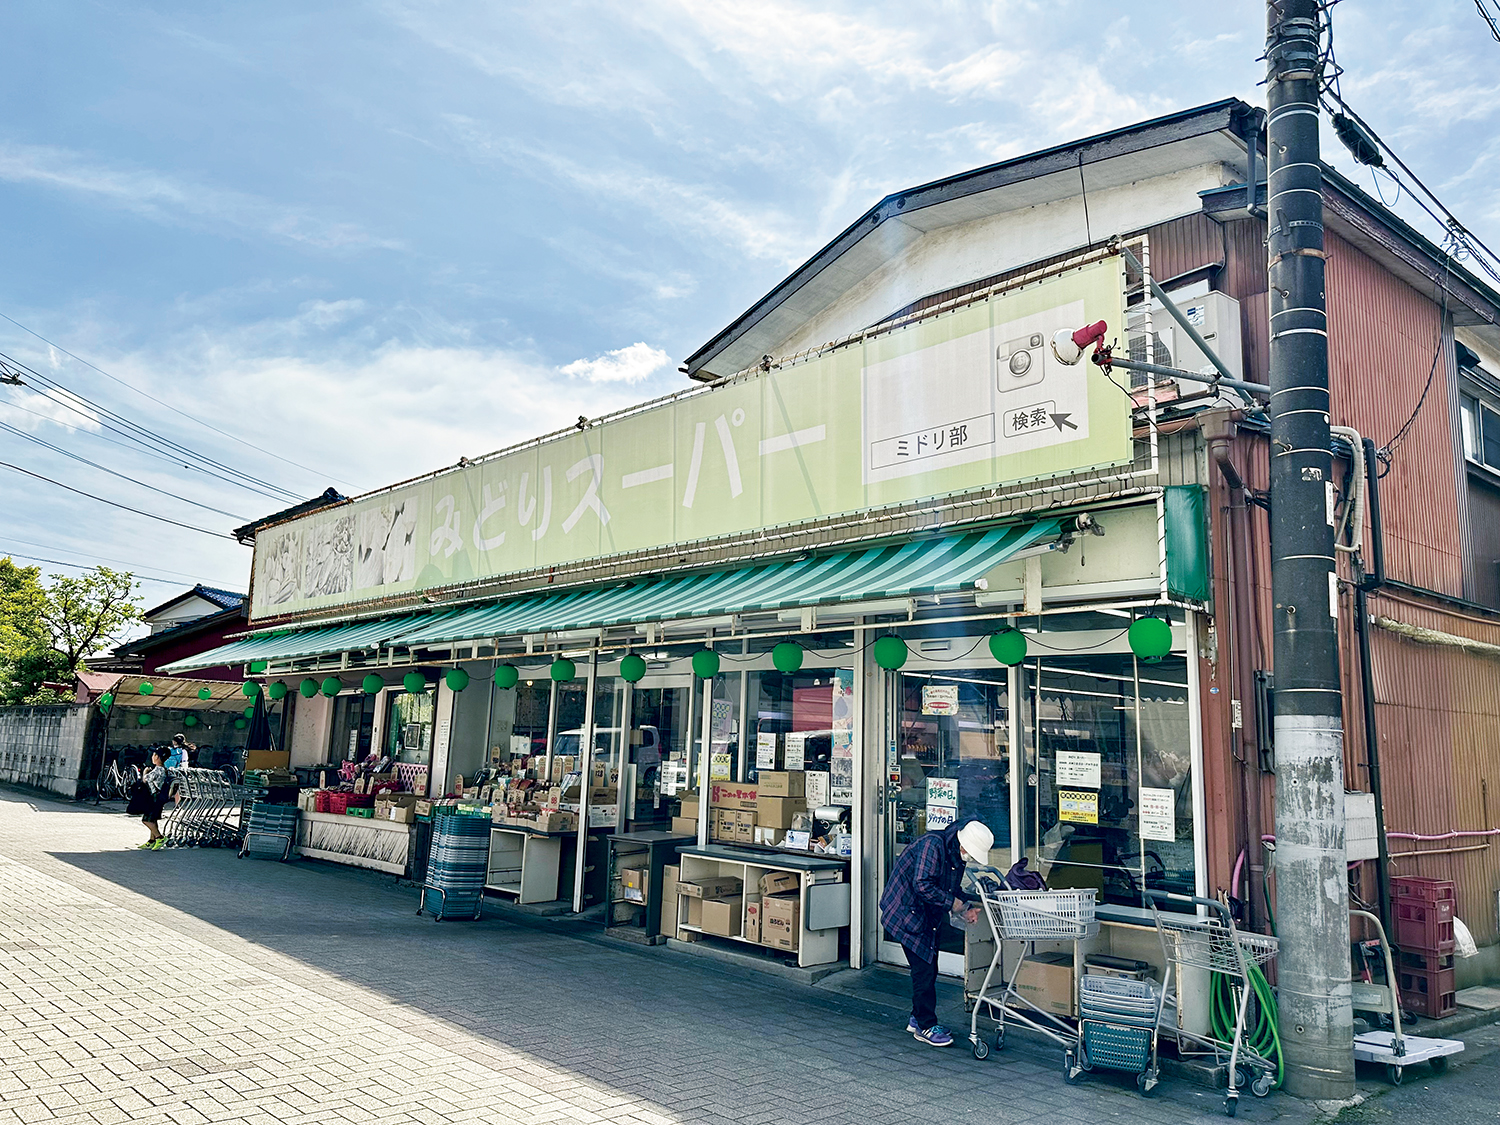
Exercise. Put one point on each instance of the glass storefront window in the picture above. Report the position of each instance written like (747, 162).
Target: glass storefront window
(353, 725)
(408, 726)
(724, 728)
(660, 736)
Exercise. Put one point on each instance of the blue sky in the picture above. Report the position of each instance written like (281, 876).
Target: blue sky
(366, 239)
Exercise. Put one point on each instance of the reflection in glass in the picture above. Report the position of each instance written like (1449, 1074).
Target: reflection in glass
(408, 727)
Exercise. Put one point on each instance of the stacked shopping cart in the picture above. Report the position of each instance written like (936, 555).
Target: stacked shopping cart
(456, 869)
(272, 832)
(1117, 1025)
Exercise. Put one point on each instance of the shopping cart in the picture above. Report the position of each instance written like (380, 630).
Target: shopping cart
(1117, 1029)
(1213, 944)
(1027, 917)
(206, 811)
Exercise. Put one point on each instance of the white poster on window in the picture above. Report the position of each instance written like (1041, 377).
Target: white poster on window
(817, 789)
(765, 751)
(1078, 769)
(939, 699)
(942, 791)
(796, 750)
(940, 816)
(1158, 814)
(520, 745)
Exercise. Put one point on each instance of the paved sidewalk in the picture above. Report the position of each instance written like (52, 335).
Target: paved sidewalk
(189, 986)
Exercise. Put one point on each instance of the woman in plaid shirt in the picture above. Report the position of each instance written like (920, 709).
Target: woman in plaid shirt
(924, 885)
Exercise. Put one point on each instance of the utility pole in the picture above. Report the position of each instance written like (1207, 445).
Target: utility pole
(1312, 890)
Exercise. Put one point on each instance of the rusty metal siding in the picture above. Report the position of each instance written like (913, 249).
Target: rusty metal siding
(1382, 339)
(1184, 245)
(1244, 258)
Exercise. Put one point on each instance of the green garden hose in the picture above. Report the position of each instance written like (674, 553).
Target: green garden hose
(1264, 1037)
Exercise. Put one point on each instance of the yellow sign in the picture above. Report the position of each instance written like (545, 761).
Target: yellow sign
(1077, 807)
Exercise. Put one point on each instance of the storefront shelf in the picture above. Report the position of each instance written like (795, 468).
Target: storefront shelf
(537, 857)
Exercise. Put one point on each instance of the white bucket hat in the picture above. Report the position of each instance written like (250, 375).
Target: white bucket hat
(976, 840)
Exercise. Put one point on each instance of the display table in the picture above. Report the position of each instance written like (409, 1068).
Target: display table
(524, 863)
(380, 845)
(823, 888)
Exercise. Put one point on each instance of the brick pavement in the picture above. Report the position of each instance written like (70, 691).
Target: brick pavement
(189, 986)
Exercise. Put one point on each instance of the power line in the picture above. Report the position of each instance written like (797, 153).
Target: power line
(100, 558)
(1489, 17)
(142, 575)
(159, 402)
(114, 504)
(94, 464)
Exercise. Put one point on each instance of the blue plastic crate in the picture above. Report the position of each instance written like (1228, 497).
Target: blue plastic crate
(1117, 1048)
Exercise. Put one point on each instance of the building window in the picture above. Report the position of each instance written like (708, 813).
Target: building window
(1481, 433)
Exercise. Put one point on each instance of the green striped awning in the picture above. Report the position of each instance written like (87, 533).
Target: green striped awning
(927, 566)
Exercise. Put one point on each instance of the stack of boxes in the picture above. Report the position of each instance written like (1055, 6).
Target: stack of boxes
(714, 905)
(781, 795)
(1424, 934)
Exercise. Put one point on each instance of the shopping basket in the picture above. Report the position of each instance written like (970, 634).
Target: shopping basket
(1046, 915)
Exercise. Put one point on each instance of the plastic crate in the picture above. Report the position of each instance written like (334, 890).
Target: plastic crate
(1425, 926)
(1409, 887)
(1428, 992)
(338, 803)
(1422, 960)
(366, 813)
(1117, 1048)
(321, 801)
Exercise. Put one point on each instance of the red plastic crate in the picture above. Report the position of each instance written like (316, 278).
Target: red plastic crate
(1428, 992)
(1422, 960)
(321, 801)
(1409, 887)
(1425, 927)
(338, 803)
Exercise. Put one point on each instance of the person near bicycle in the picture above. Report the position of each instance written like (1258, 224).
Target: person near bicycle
(148, 798)
(924, 886)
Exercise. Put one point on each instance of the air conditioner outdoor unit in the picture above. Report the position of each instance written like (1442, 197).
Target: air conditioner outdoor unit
(1216, 316)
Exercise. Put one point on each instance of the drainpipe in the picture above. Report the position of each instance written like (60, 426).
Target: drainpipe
(1367, 673)
(1219, 430)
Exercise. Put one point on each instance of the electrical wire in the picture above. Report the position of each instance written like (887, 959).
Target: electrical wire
(1491, 20)
(159, 402)
(114, 504)
(1383, 454)
(112, 472)
(98, 558)
(142, 575)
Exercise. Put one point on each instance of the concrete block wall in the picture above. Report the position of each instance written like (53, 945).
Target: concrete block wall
(43, 747)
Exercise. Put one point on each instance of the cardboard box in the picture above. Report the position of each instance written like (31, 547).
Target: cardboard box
(423, 807)
(780, 882)
(685, 826)
(690, 805)
(744, 830)
(669, 897)
(693, 916)
(732, 795)
(1047, 981)
(635, 883)
(716, 825)
(777, 812)
(782, 783)
(752, 918)
(781, 921)
(770, 837)
(722, 916)
(712, 886)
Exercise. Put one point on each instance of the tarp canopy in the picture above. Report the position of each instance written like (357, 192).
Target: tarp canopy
(928, 566)
(180, 692)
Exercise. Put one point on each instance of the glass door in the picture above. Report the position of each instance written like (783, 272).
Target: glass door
(953, 764)
(660, 764)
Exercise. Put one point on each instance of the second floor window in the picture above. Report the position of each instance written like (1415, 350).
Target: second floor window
(1481, 433)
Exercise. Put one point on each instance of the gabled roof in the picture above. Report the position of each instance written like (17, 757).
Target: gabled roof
(329, 497)
(1187, 139)
(224, 599)
(182, 632)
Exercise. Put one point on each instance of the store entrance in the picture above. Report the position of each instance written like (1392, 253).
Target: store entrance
(658, 765)
(953, 762)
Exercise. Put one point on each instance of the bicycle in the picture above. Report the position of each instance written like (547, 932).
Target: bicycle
(115, 781)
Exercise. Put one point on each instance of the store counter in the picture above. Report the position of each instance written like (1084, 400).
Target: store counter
(823, 895)
(380, 845)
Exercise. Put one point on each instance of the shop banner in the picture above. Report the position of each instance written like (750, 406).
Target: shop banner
(939, 699)
(969, 399)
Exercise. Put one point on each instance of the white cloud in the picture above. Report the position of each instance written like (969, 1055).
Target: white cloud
(624, 365)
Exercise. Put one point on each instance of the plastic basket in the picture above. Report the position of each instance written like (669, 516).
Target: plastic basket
(1106, 997)
(1117, 1048)
(1035, 915)
(1208, 945)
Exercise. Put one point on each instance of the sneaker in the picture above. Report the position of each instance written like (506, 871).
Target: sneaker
(159, 843)
(935, 1036)
(913, 1027)
(146, 847)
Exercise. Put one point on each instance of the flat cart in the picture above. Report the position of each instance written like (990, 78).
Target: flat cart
(1391, 1049)
(1213, 944)
(1027, 917)
(1118, 1022)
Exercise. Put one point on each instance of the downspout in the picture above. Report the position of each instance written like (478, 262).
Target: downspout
(1219, 428)
(1367, 673)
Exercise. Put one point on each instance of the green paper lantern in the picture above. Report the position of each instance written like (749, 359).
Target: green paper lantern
(705, 663)
(257, 667)
(456, 679)
(332, 686)
(106, 701)
(277, 691)
(308, 688)
(1150, 638)
(241, 724)
(205, 694)
(144, 719)
(890, 653)
(145, 689)
(372, 684)
(190, 720)
(1008, 647)
(787, 656)
(563, 670)
(632, 668)
(414, 682)
(506, 676)
(249, 689)
(249, 712)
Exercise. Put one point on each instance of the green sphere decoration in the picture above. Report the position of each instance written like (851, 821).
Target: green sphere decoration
(257, 667)
(890, 653)
(787, 656)
(332, 686)
(205, 694)
(144, 719)
(145, 689)
(249, 689)
(456, 679)
(308, 688)
(705, 663)
(507, 676)
(190, 720)
(1150, 638)
(371, 684)
(414, 682)
(106, 701)
(1008, 647)
(276, 691)
(249, 712)
(241, 724)
(632, 668)
(563, 670)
